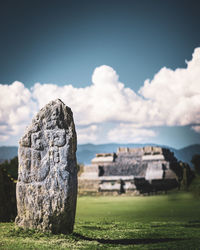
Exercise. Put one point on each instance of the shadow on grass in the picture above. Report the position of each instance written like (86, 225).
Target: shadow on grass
(93, 228)
(193, 223)
(126, 241)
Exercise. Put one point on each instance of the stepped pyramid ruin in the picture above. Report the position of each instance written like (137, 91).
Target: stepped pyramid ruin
(132, 170)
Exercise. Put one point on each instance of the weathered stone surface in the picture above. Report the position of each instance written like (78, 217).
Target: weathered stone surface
(47, 176)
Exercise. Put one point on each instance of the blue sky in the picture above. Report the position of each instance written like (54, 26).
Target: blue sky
(63, 42)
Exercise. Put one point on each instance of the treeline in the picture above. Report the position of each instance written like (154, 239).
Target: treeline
(8, 177)
(11, 167)
(195, 185)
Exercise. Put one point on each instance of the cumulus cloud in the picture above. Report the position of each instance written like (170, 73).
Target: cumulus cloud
(16, 109)
(196, 128)
(105, 100)
(175, 95)
(171, 98)
(88, 134)
(129, 133)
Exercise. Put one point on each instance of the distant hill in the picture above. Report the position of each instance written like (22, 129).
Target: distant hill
(7, 153)
(86, 152)
(185, 154)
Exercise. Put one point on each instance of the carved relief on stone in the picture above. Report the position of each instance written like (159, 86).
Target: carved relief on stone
(47, 182)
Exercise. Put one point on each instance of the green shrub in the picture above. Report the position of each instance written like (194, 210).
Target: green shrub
(195, 186)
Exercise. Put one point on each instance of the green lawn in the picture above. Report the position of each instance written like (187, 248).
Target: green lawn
(150, 222)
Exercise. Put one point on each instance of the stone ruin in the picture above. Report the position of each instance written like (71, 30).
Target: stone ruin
(132, 170)
(47, 176)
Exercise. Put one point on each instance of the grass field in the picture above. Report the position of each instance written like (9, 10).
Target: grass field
(150, 222)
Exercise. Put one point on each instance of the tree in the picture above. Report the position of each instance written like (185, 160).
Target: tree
(196, 162)
(11, 167)
(8, 176)
(186, 177)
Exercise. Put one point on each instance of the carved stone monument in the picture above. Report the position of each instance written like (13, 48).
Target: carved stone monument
(47, 176)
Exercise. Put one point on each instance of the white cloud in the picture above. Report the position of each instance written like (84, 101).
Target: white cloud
(3, 137)
(171, 98)
(87, 134)
(16, 109)
(196, 128)
(175, 95)
(129, 133)
(105, 100)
